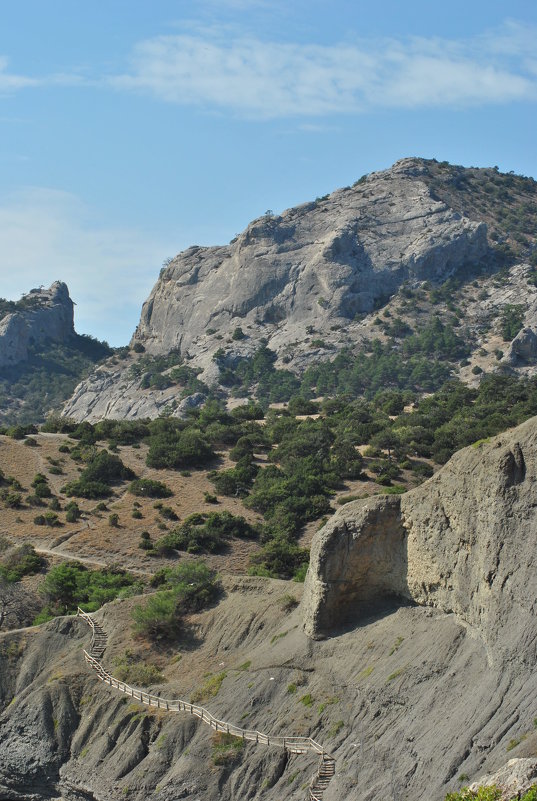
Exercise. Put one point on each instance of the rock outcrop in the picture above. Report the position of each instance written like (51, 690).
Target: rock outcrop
(523, 349)
(319, 264)
(513, 779)
(465, 542)
(42, 315)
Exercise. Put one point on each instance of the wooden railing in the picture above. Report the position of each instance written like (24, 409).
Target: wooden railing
(294, 745)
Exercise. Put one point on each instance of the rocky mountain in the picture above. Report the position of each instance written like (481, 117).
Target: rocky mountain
(425, 677)
(311, 281)
(42, 358)
(43, 315)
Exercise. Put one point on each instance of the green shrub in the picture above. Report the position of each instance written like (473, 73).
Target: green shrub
(168, 513)
(208, 532)
(33, 500)
(173, 448)
(149, 488)
(71, 584)
(210, 689)
(226, 748)
(491, 793)
(145, 541)
(188, 587)
(22, 561)
(288, 602)
(72, 512)
(159, 618)
(512, 320)
(43, 490)
(129, 668)
(11, 500)
(92, 490)
(102, 470)
(279, 558)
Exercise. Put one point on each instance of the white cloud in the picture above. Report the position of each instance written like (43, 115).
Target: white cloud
(47, 235)
(254, 78)
(10, 82)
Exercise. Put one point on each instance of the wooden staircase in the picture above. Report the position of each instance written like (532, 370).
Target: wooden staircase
(320, 781)
(293, 745)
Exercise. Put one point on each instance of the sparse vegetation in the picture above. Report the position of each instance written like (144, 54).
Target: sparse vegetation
(189, 587)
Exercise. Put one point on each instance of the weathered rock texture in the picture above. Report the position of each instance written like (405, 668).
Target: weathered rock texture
(513, 779)
(463, 542)
(44, 314)
(319, 263)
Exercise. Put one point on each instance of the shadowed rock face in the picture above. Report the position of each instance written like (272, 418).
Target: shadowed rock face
(464, 542)
(47, 314)
(359, 559)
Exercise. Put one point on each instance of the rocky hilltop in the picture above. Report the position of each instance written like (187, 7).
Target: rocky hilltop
(310, 281)
(318, 264)
(43, 315)
(425, 677)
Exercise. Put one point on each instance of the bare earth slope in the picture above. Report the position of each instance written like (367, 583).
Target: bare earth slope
(432, 679)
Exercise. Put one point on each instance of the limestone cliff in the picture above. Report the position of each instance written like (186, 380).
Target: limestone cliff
(41, 315)
(320, 263)
(465, 542)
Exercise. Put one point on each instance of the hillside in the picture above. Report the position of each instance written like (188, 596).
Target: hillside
(42, 358)
(433, 263)
(414, 696)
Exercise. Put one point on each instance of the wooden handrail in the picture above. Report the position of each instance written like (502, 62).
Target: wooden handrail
(294, 745)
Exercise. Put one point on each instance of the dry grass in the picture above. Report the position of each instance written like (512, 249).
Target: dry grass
(92, 538)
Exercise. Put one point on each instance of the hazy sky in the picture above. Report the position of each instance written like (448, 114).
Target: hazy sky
(131, 129)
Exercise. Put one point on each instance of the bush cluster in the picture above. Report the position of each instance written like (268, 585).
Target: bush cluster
(71, 584)
(189, 587)
(207, 533)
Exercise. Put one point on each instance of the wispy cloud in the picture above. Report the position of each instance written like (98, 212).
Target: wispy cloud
(255, 78)
(10, 82)
(222, 68)
(48, 235)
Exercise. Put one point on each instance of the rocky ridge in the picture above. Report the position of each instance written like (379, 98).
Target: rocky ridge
(310, 281)
(42, 315)
(321, 263)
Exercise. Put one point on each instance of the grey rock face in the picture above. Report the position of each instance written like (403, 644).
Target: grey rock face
(47, 315)
(111, 392)
(317, 263)
(523, 348)
(463, 542)
(514, 778)
(310, 269)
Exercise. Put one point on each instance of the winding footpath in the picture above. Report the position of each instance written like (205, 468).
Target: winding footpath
(293, 745)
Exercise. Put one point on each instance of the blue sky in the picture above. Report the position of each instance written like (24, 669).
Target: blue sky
(130, 130)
